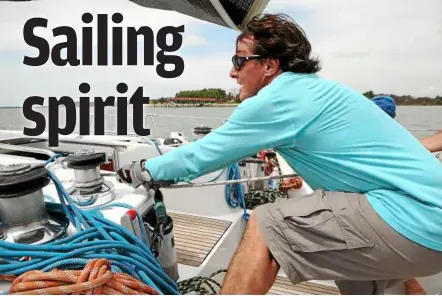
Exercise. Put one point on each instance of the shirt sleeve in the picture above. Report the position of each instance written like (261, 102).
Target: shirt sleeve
(257, 123)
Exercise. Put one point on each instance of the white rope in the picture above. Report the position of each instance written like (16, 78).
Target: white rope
(58, 162)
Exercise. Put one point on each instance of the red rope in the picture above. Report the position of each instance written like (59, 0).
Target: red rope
(413, 287)
(96, 278)
(291, 183)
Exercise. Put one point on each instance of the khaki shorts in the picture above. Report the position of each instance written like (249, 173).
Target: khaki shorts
(338, 236)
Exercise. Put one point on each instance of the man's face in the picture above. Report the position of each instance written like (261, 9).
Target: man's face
(251, 75)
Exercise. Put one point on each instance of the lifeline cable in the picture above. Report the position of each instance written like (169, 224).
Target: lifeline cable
(214, 183)
(233, 181)
(96, 237)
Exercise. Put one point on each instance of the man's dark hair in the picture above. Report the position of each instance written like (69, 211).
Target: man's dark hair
(278, 36)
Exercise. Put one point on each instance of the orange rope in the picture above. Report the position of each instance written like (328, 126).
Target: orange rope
(291, 183)
(7, 277)
(413, 287)
(96, 278)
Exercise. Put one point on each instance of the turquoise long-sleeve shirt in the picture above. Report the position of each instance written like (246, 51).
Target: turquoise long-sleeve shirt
(337, 140)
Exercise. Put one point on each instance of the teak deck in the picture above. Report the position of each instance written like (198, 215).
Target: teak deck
(283, 286)
(196, 236)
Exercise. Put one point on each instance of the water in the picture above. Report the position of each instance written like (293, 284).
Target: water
(420, 120)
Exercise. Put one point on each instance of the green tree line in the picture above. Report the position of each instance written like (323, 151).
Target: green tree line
(219, 94)
(223, 97)
(216, 93)
(410, 100)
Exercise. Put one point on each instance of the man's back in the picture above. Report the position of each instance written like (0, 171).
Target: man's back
(341, 141)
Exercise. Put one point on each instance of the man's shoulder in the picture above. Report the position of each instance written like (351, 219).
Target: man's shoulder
(292, 77)
(289, 83)
(295, 90)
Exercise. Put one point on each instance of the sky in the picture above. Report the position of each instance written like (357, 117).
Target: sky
(388, 46)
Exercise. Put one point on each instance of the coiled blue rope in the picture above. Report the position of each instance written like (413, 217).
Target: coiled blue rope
(234, 193)
(96, 237)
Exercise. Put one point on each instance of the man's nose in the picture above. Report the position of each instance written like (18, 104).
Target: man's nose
(233, 73)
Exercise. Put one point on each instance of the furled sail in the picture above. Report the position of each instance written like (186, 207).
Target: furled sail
(233, 14)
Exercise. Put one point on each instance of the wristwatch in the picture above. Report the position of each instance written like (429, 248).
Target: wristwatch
(144, 172)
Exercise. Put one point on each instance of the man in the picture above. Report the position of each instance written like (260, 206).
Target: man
(376, 214)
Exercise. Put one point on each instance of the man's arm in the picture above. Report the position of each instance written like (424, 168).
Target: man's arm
(433, 143)
(256, 124)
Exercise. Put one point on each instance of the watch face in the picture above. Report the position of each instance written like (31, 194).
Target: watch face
(145, 174)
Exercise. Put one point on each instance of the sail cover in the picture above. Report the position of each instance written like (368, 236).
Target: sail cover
(233, 14)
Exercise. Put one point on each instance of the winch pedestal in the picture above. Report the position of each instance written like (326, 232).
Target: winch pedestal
(23, 215)
(90, 189)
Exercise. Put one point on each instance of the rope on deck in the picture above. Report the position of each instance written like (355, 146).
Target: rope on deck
(201, 285)
(96, 278)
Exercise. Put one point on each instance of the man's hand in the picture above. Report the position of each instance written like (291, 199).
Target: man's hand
(135, 174)
(433, 143)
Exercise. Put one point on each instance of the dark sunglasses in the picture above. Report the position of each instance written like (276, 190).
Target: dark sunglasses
(238, 62)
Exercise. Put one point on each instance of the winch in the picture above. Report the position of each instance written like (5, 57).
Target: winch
(68, 235)
(30, 212)
(89, 189)
(23, 214)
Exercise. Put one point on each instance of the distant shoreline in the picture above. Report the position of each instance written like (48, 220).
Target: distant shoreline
(235, 105)
(190, 105)
(205, 106)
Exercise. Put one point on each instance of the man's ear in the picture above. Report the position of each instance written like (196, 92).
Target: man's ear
(272, 67)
